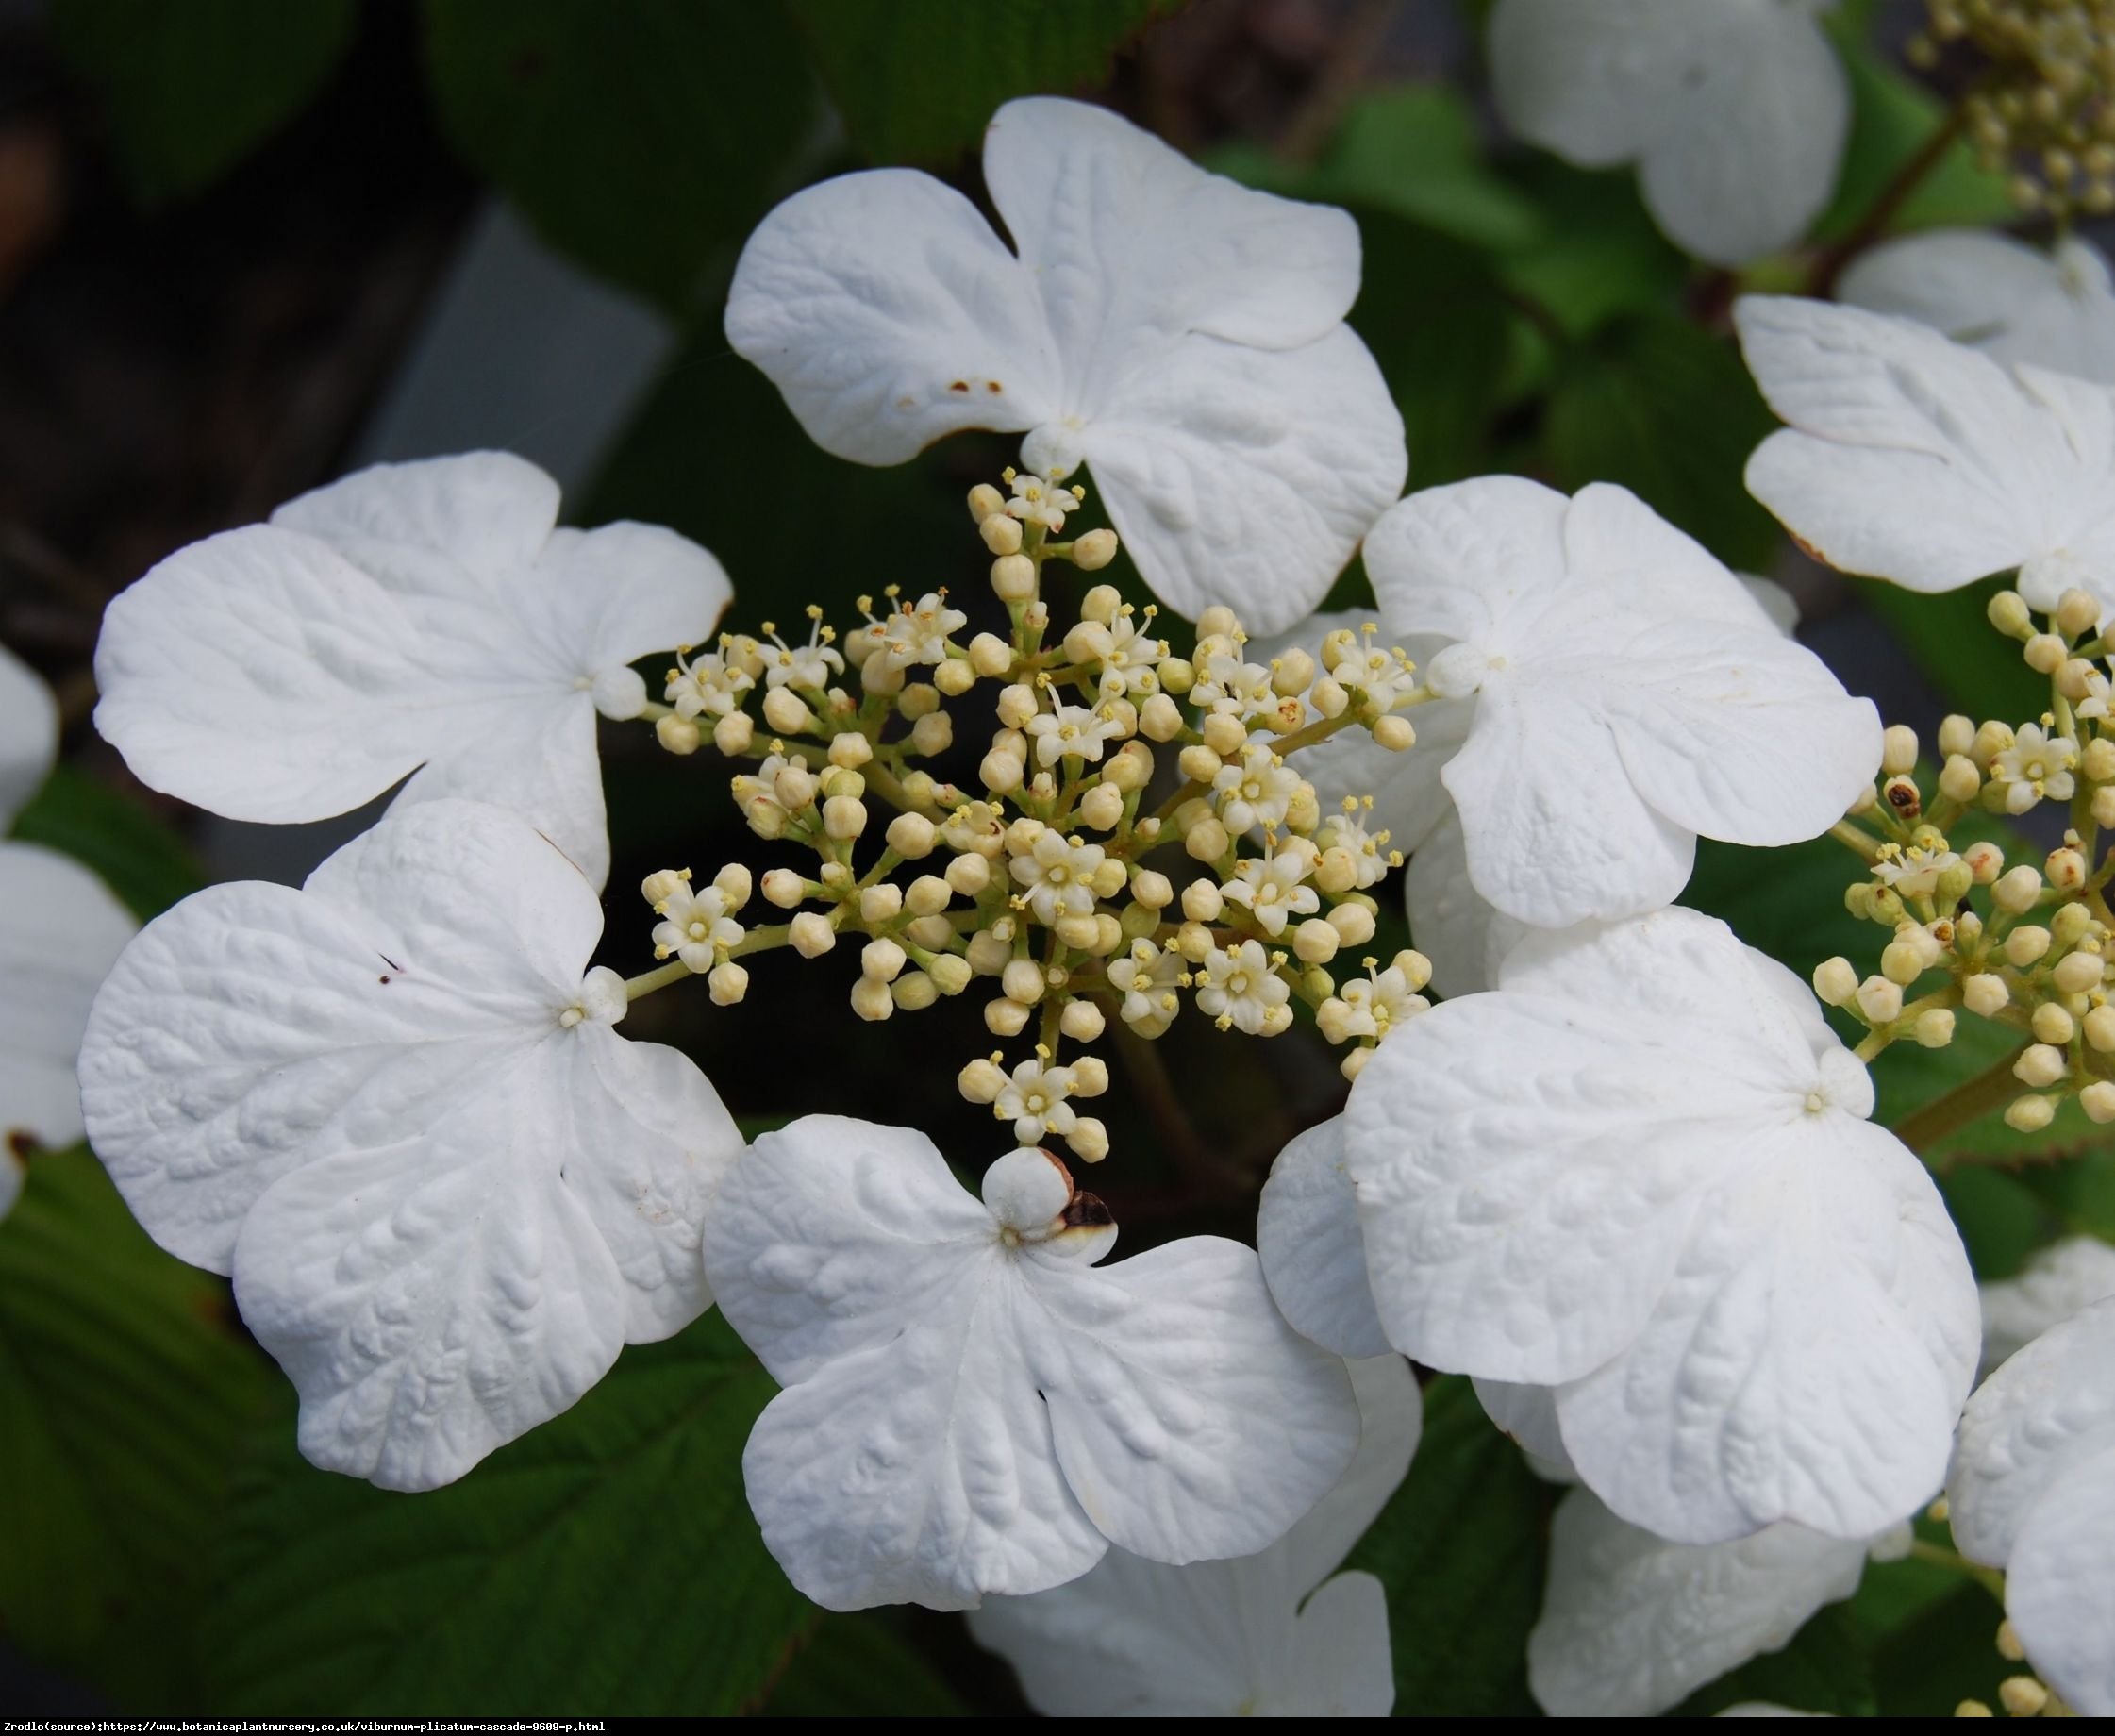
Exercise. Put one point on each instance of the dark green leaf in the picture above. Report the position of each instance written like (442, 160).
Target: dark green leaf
(861, 1666)
(1461, 1550)
(917, 80)
(607, 1562)
(1597, 255)
(1943, 1655)
(123, 1398)
(191, 89)
(643, 137)
(139, 858)
(1827, 1668)
(1973, 665)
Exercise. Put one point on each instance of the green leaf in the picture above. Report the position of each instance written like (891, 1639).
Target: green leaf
(139, 858)
(1461, 1550)
(123, 1398)
(917, 80)
(1670, 413)
(862, 1666)
(189, 90)
(606, 1563)
(1973, 666)
(1827, 1668)
(643, 137)
(1598, 256)
(1945, 1654)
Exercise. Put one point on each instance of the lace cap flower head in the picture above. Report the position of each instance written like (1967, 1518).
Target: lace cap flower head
(1182, 334)
(971, 1407)
(61, 930)
(2055, 1284)
(1735, 111)
(1912, 459)
(2031, 1489)
(1268, 1634)
(421, 620)
(2051, 307)
(1640, 1171)
(393, 1106)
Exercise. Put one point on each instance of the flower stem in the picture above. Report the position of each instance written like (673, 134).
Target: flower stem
(1968, 1101)
(1938, 1555)
(1821, 281)
(638, 987)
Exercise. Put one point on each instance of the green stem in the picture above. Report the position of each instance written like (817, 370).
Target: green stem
(1938, 1555)
(636, 987)
(1968, 1101)
(1821, 281)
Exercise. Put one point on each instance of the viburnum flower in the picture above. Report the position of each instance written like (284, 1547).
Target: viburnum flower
(1146, 978)
(1273, 887)
(421, 620)
(2016, 303)
(813, 665)
(2035, 767)
(1632, 1625)
(1640, 1171)
(1308, 1241)
(394, 1106)
(2031, 1489)
(1233, 686)
(1057, 875)
(695, 926)
(1131, 657)
(61, 930)
(1237, 987)
(1255, 787)
(1073, 731)
(909, 634)
(2055, 1283)
(1912, 459)
(708, 683)
(1735, 111)
(1182, 334)
(1265, 1635)
(1034, 1100)
(970, 1407)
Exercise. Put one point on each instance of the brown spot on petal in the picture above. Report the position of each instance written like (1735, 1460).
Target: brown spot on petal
(993, 387)
(22, 1143)
(959, 386)
(1087, 1212)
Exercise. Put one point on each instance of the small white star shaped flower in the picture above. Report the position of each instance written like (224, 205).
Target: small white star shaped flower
(1146, 978)
(695, 926)
(1131, 658)
(2016, 303)
(2055, 1284)
(61, 930)
(1182, 334)
(1035, 1100)
(1912, 459)
(1255, 787)
(1632, 1625)
(813, 665)
(1273, 887)
(2037, 766)
(1237, 987)
(971, 1408)
(1073, 731)
(1056, 875)
(418, 620)
(2031, 1489)
(707, 684)
(1640, 1171)
(908, 635)
(1266, 1635)
(1735, 111)
(394, 1106)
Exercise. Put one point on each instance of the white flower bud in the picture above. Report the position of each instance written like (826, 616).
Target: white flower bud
(1004, 1018)
(1159, 719)
(2100, 1030)
(2075, 678)
(912, 835)
(968, 874)
(1193, 942)
(1956, 734)
(1223, 734)
(1022, 980)
(1985, 860)
(1316, 941)
(989, 654)
(872, 1001)
(1898, 750)
(1958, 779)
(1207, 841)
(810, 934)
(1394, 733)
(1094, 551)
(1985, 995)
(1102, 603)
(2077, 612)
(1077, 931)
(2040, 1064)
(2024, 946)
(787, 713)
(928, 895)
(2029, 1115)
(1017, 704)
(2016, 889)
(1354, 1062)
(2068, 924)
(2098, 761)
(1353, 922)
(728, 982)
(1087, 643)
(677, 733)
(2046, 653)
(1218, 621)
(2104, 805)
(794, 786)
(1001, 774)
(1934, 1029)
(954, 676)
(1835, 981)
(665, 883)
(880, 904)
(1291, 673)
(844, 817)
(735, 884)
(1002, 534)
(2098, 1101)
(950, 973)
(1328, 698)
(1177, 675)
(735, 734)
(851, 750)
(2066, 870)
(2009, 614)
(2077, 972)
(1081, 1021)
(987, 954)
(1013, 577)
(1103, 808)
(1089, 1140)
(881, 959)
(1901, 962)
(1879, 1000)
(1198, 763)
(1154, 890)
(984, 501)
(981, 1081)
(914, 991)
(2053, 1024)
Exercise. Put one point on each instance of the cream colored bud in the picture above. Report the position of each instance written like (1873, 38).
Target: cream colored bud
(1879, 1000)
(1017, 704)
(1199, 763)
(1394, 733)
(1336, 870)
(928, 895)
(1021, 836)
(1415, 966)
(2066, 870)
(734, 734)
(2074, 678)
(1177, 675)
(1835, 981)
(872, 1001)
(1077, 930)
(2016, 889)
(794, 786)
(1201, 901)
(1985, 860)
(1081, 1021)
(2029, 1115)
(736, 884)
(1218, 621)
(1002, 534)
(726, 982)
(1934, 1029)
(2009, 612)
(1013, 577)
(954, 676)
(1109, 935)
(2098, 761)
(984, 501)
(914, 991)
(1159, 719)
(882, 904)
(1089, 1140)
(1129, 768)
(1225, 735)
(785, 888)
(2045, 654)
(2040, 1064)
(1089, 1076)
(950, 973)
(851, 749)
(1291, 673)
(987, 954)
(1094, 551)
(932, 734)
(968, 874)
(1102, 603)
(2025, 945)
(1958, 779)
(989, 654)
(679, 735)
(1329, 697)
(912, 835)
(931, 932)
(1022, 980)
(2053, 1024)
(2098, 1101)
(1316, 941)
(810, 934)
(1956, 734)
(2104, 805)
(1354, 1062)
(1087, 643)
(1001, 774)
(1109, 878)
(844, 817)
(2077, 612)
(1193, 942)
(1898, 750)
(1207, 841)
(787, 713)
(2068, 924)
(1985, 995)
(2077, 972)
(881, 959)
(1901, 962)
(1303, 812)
(1353, 922)
(981, 1081)
(665, 884)
(1004, 1018)
(2100, 1030)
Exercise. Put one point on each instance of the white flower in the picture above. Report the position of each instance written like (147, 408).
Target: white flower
(61, 930)
(1237, 987)
(1735, 111)
(1372, 1006)
(1181, 334)
(1641, 1172)
(1034, 1100)
(695, 926)
(414, 619)
(813, 665)
(1146, 978)
(1039, 500)
(1079, 731)
(2032, 1491)
(1912, 458)
(1272, 889)
(1611, 693)
(1256, 789)
(707, 684)
(1226, 683)
(2036, 767)
(394, 1106)
(1383, 672)
(2054, 1285)
(1056, 875)
(1314, 1259)
(1347, 829)
(2015, 303)
(1912, 870)
(911, 633)
(1129, 666)
(970, 1407)
(1266, 1635)
(1632, 1625)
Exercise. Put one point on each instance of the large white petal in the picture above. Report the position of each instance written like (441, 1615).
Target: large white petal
(1598, 80)
(2059, 1589)
(1457, 562)
(1649, 569)
(1528, 1415)
(61, 931)
(28, 734)
(1240, 475)
(1632, 1625)
(2054, 1285)
(1460, 932)
(1392, 1422)
(888, 314)
(1314, 1259)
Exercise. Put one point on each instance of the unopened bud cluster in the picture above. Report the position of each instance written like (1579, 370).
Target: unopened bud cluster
(2023, 942)
(1139, 836)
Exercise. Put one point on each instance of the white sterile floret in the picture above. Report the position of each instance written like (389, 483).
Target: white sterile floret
(422, 620)
(1735, 111)
(1237, 987)
(2031, 1489)
(394, 1107)
(1273, 887)
(2055, 1284)
(970, 1407)
(1073, 731)
(1632, 1625)
(1640, 1171)
(1056, 875)
(695, 926)
(1266, 1635)
(61, 930)
(1146, 978)
(1034, 1100)
(1912, 459)
(1307, 1238)
(1256, 789)
(1616, 693)
(1182, 334)
(2052, 309)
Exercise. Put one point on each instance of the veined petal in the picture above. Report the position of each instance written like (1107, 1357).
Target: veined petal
(2059, 1589)
(1457, 562)
(1307, 1238)
(2054, 1285)
(1529, 1415)
(28, 735)
(1463, 934)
